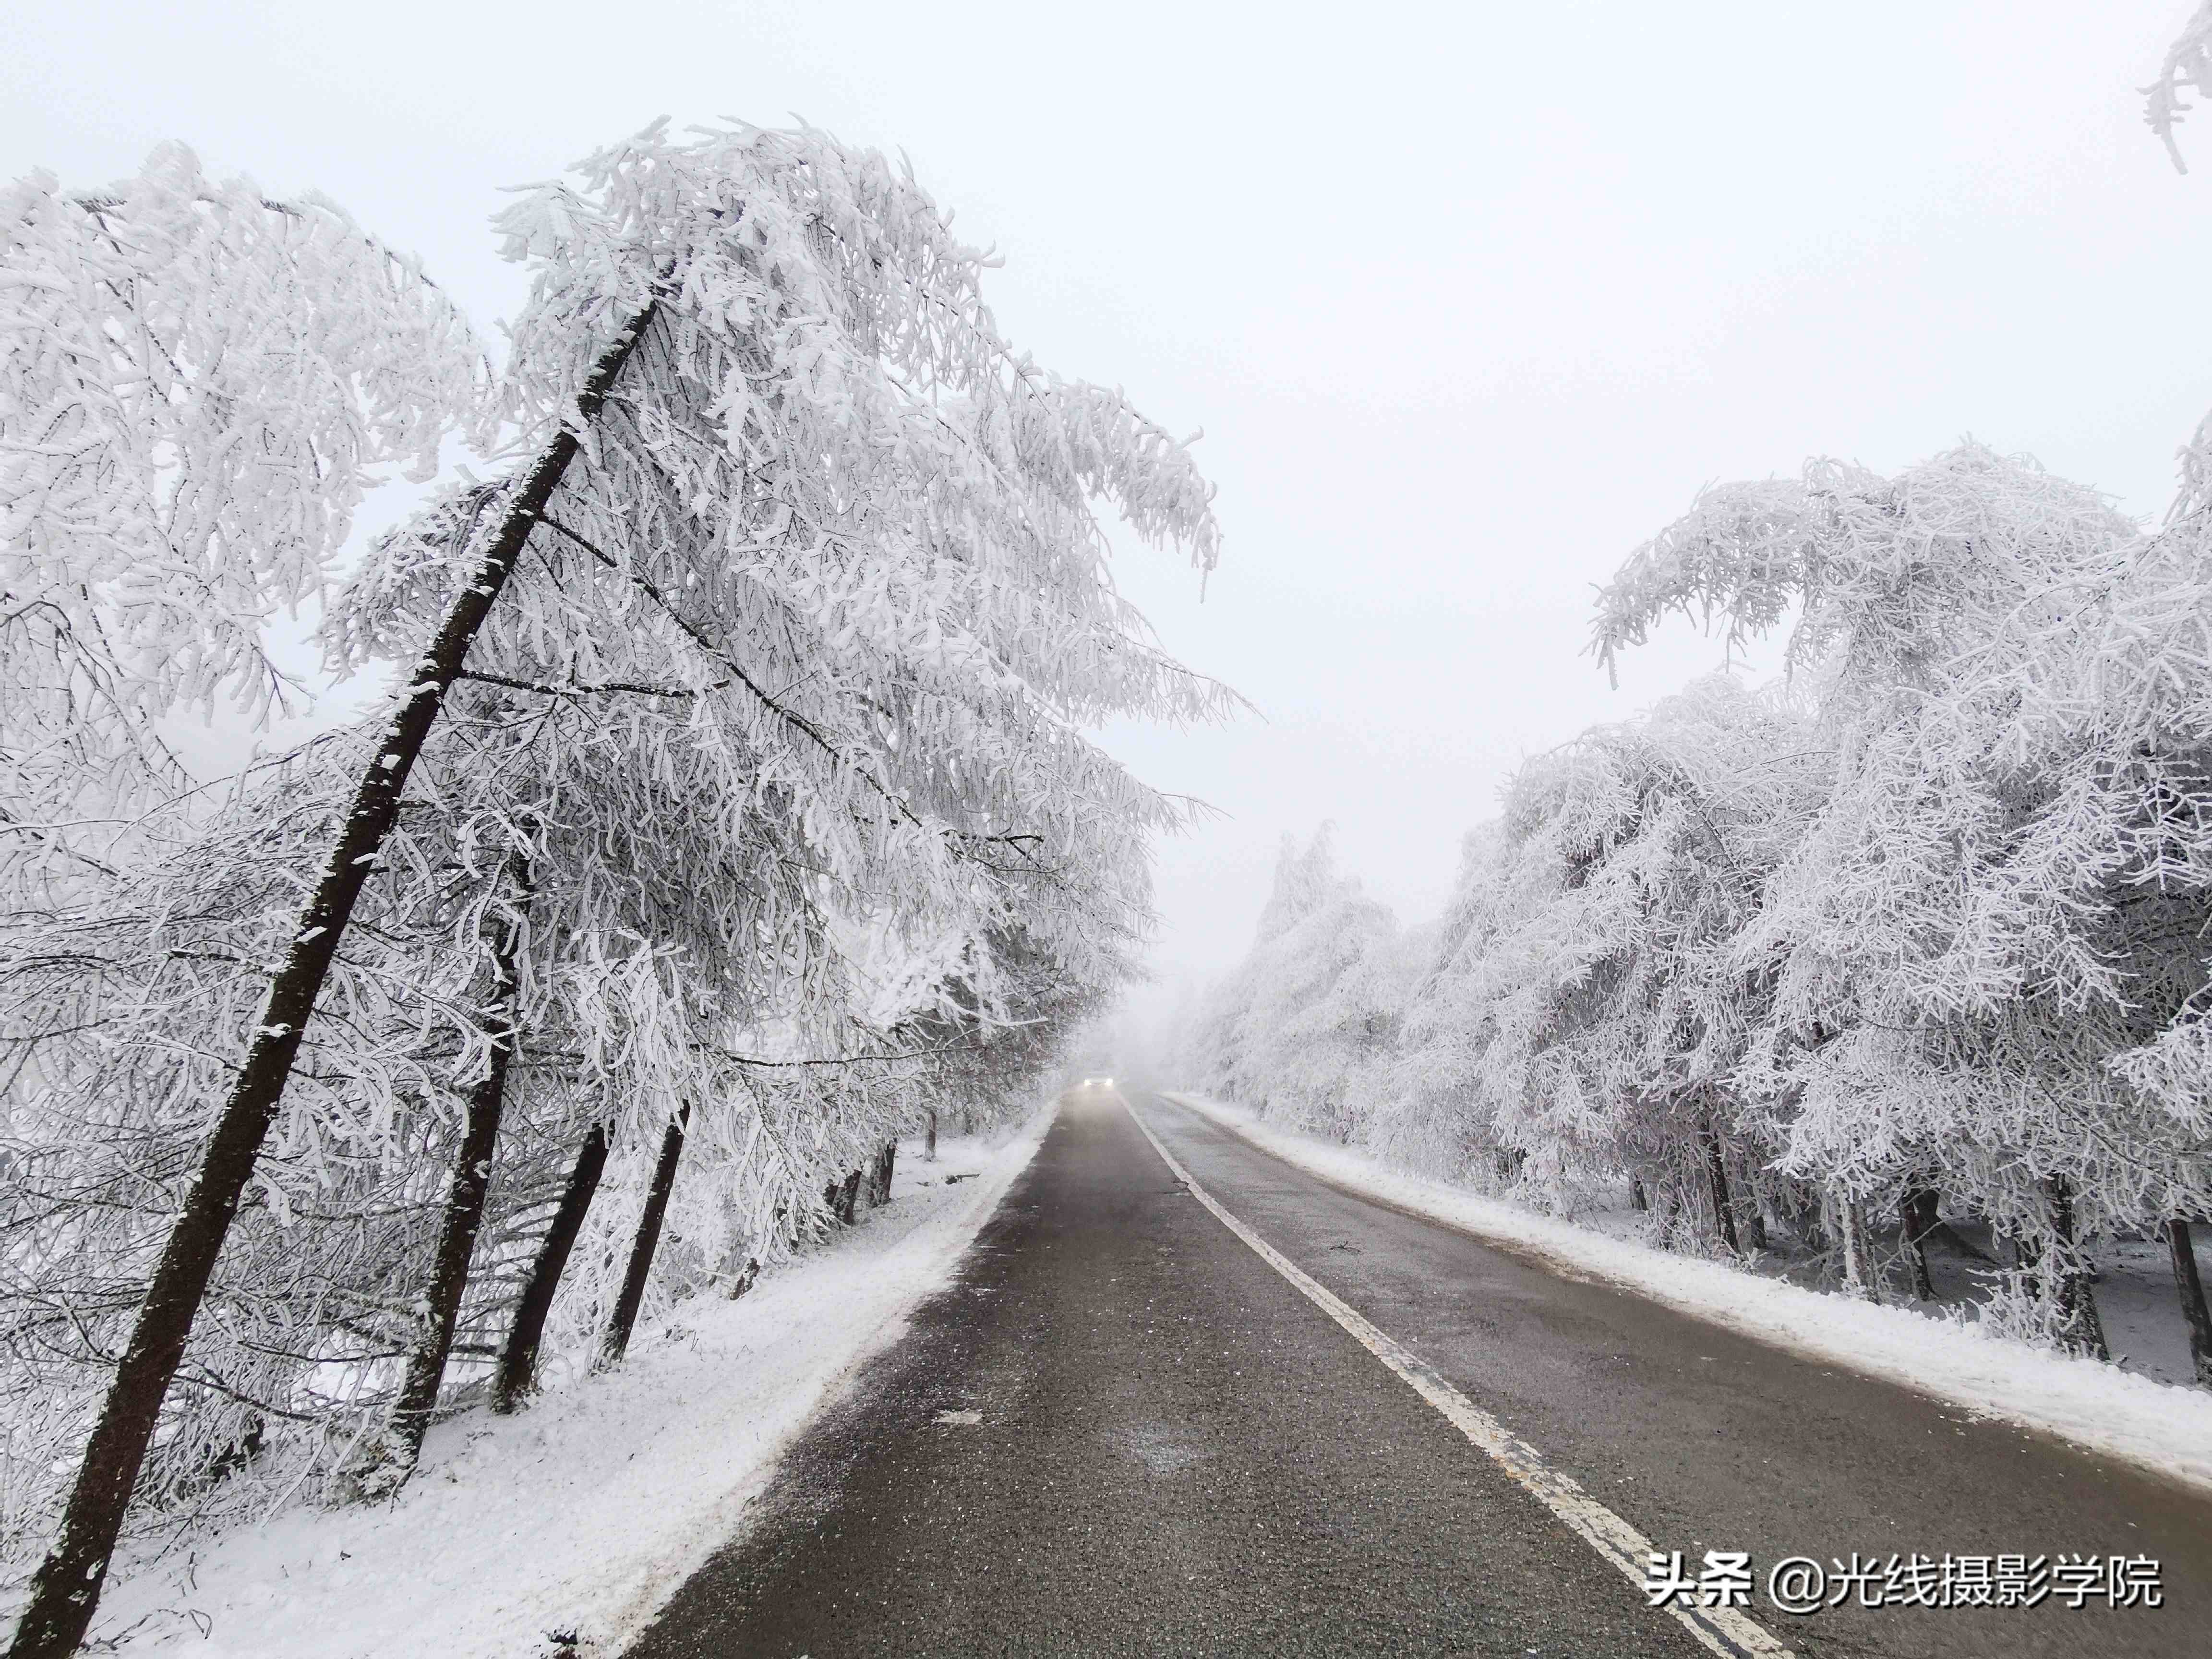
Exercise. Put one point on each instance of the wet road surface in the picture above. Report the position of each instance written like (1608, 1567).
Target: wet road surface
(1122, 1431)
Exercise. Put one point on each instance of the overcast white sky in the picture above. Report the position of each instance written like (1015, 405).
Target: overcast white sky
(1469, 299)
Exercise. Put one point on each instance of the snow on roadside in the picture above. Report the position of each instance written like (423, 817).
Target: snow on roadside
(583, 1513)
(2165, 1429)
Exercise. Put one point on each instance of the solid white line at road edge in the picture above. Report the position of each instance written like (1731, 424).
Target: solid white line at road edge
(1724, 1630)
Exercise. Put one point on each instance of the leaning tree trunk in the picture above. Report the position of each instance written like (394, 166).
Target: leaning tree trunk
(457, 1237)
(617, 1342)
(66, 1589)
(2191, 1291)
(518, 1359)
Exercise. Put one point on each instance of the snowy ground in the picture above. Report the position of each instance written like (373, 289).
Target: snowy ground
(2135, 1299)
(561, 1530)
(2161, 1427)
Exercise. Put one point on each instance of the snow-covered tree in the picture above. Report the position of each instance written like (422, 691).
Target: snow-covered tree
(1426, 1110)
(1980, 925)
(2187, 64)
(1924, 928)
(1315, 1005)
(198, 386)
(1592, 952)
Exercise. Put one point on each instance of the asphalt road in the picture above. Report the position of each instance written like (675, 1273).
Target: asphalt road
(1174, 1451)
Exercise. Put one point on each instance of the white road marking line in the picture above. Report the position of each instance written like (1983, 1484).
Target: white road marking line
(1723, 1630)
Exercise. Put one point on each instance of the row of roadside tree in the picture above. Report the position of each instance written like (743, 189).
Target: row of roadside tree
(729, 810)
(1917, 940)
(1914, 944)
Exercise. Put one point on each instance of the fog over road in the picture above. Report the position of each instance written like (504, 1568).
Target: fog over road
(1174, 1450)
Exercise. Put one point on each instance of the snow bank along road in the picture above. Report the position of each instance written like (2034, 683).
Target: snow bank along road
(1124, 1430)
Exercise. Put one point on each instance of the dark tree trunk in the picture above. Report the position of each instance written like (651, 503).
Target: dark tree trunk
(1637, 1196)
(647, 1241)
(848, 1195)
(746, 1279)
(879, 1176)
(2191, 1291)
(1723, 1209)
(929, 1150)
(66, 1589)
(1916, 1216)
(464, 1218)
(2077, 1302)
(517, 1360)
